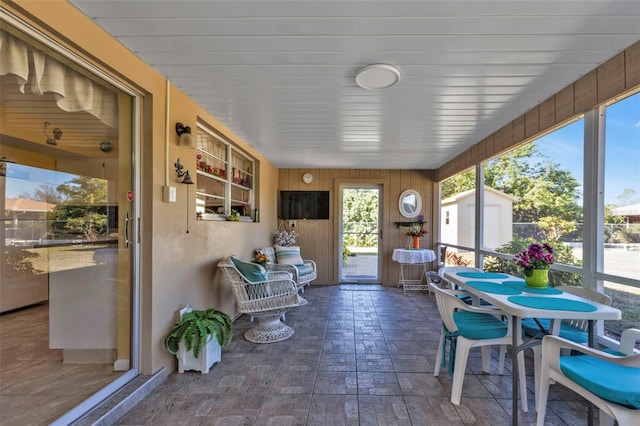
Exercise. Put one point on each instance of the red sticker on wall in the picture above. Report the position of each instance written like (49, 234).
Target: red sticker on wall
(130, 195)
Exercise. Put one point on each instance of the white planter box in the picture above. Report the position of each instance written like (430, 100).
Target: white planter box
(209, 355)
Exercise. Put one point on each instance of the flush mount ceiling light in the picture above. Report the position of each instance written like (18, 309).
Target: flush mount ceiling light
(377, 76)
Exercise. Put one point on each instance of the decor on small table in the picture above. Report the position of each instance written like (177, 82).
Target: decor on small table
(416, 231)
(191, 338)
(260, 258)
(535, 262)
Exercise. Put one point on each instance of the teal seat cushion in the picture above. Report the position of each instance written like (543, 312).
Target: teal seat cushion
(477, 326)
(304, 269)
(251, 271)
(613, 352)
(615, 383)
(567, 331)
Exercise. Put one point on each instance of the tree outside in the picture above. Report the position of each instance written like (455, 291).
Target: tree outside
(547, 210)
(359, 223)
(83, 209)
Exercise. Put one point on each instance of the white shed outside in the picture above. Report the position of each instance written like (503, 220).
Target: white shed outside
(458, 222)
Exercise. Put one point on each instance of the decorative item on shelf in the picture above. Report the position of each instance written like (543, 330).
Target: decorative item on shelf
(234, 216)
(416, 231)
(535, 261)
(260, 258)
(184, 133)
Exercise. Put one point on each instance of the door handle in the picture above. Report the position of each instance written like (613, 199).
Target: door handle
(126, 230)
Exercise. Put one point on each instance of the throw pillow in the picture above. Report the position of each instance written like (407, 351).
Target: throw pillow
(289, 255)
(251, 271)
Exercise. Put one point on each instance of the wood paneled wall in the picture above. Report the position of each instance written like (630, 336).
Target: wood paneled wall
(319, 238)
(614, 78)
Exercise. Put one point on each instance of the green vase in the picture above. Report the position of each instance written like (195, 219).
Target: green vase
(537, 278)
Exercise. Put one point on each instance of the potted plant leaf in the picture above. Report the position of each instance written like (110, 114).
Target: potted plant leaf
(198, 337)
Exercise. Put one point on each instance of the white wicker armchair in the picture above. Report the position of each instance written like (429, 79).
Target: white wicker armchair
(265, 300)
(302, 274)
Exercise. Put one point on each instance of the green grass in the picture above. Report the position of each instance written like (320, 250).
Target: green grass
(627, 299)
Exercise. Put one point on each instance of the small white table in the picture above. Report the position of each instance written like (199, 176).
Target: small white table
(413, 257)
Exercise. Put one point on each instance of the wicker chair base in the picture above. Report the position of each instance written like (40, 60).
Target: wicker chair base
(270, 328)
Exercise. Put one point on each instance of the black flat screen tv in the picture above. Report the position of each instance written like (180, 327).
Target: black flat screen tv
(304, 205)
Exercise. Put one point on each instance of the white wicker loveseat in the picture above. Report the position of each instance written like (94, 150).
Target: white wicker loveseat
(263, 295)
(303, 271)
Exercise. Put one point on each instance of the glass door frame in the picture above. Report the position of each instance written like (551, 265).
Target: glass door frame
(134, 206)
(380, 188)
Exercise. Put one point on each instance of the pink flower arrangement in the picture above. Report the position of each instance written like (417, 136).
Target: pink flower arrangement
(536, 256)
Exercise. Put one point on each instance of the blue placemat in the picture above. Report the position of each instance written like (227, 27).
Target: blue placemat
(552, 303)
(491, 287)
(483, 275)
(522, 286)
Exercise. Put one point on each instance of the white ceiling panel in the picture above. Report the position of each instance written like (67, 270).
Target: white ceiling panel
(281, 74)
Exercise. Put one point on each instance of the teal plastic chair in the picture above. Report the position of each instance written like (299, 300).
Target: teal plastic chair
(610, 382)
(574, 330)
(466, 327)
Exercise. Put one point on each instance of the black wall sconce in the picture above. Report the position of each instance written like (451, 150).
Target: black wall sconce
(186, 138)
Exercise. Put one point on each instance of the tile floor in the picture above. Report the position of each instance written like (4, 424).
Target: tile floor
(359, 357)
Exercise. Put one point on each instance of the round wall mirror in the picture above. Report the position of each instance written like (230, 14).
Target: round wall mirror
(410, 203)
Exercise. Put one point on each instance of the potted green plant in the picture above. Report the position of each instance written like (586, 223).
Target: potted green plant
(192, 341)
(234, 216)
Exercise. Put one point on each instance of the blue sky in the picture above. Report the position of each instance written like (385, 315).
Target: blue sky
(622, 155)
(24, 179)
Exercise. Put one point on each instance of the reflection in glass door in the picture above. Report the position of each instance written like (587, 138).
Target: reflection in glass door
(360, 234)
(66, 278)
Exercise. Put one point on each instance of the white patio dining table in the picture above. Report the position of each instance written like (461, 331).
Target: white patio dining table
(509, 294)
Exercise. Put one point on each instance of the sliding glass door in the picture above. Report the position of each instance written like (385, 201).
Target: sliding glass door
(67, 200)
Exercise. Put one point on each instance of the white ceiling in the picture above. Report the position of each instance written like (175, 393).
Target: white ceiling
(280, 74)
